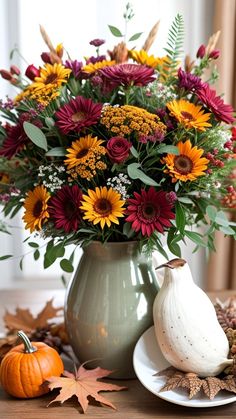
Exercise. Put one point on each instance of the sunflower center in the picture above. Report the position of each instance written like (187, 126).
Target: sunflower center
(37, 209)
(187, 115)
(103, 207)
(82, 153)
(78, 116)
(183, 164)
(51, 78)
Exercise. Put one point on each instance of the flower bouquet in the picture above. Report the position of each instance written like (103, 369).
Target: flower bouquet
(118, 147)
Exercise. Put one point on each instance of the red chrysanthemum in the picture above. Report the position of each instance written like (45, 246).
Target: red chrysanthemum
(128, 74)
(77, 114)
(150, 211)
(64, 208)
(15, 140)
(215, 104)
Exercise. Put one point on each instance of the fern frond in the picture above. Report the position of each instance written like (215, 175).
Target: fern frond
(174, 48)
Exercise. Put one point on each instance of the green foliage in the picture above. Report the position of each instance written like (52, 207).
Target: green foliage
(174, 46)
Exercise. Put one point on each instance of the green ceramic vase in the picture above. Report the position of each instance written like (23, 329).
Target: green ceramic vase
(109, 305)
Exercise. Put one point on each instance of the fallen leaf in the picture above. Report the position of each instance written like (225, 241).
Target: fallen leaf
(6, 344)
(210, 385)
(83, 384)
(24, 320)
(185, 380)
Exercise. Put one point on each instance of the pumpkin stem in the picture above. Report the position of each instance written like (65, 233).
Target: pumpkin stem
(29, 348)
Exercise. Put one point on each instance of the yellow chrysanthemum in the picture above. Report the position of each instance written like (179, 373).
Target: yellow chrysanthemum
(84, 157)
(142, 57)
(91, 68)
(188, 165)
(188, 114)
(102, 206)
(36, 208)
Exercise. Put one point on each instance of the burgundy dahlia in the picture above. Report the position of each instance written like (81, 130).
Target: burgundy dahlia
(215, 104)
(189, 81)
(64, 208)
(15, 140)
(128, 74)
(79, 113)
(75, 66)
(150, 211)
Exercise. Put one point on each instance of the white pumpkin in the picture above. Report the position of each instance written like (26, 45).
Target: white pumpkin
(186, 326)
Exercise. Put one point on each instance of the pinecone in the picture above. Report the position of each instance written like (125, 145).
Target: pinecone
(45, 335)
(226, 313)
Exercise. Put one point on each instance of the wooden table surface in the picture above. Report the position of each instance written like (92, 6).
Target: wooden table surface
(134, 403)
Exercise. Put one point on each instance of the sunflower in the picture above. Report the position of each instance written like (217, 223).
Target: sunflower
(92, 67)
(46, 87)
(102, 206)
(188, 114)
(36, 208)
(188, 165)
(84, 157)
(142, 57)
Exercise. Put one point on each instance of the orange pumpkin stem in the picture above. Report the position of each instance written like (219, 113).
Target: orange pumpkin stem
(29, 348)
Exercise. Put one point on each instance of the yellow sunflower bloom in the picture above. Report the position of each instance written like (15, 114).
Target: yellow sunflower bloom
(188, 165)
(188, 114)
(142, 57)
(102, 206)
(91, 68)
(46, 87)
(36, 208)
(84, 157)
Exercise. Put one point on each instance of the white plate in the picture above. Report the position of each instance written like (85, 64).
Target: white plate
(149, 360)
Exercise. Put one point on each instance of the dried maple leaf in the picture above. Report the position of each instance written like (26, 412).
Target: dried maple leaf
(24, 320)
(185, 380)
(83, 384)
(210, 385)
(6, 344)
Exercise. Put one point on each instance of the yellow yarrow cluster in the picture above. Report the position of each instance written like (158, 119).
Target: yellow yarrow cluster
(84, 158)
(127, 119)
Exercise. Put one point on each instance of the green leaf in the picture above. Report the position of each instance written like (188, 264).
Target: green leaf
(211, 212)
(135, 173)
(135, 36)
(5, 257)
(196, 238)
(49, 122)
(184, 200)
(66, 265)
(52, 254)
(180, 217)
(170, 149)
(36, 254)
(57, 152)
(115, 31)
(221, 219)
(134, 152)
(33, 244)
(35, 135)
(21, 263)
(227, 230)
(127, 230)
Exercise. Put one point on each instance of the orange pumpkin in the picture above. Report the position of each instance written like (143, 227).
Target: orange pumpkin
(25, 368)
